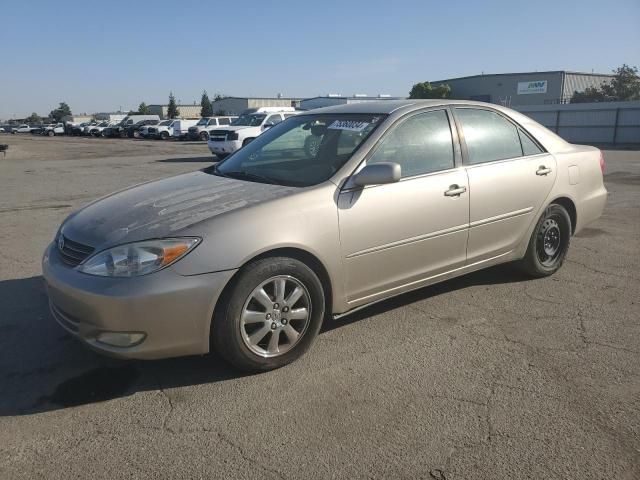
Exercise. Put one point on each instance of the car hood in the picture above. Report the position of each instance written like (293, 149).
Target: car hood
(165, 208)
(233, 128)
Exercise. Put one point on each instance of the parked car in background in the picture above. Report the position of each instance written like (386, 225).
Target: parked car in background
(399, 195)
(24, 128)
(181, 128)
(200, 131)
(244, 129)
(78, 129)
(2, 130)
(53, 129)
(131, 124)
(163, 130)
(96, 130)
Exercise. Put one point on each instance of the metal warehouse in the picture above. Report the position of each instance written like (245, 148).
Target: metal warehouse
(531, 88)
(335, 99)
(237, 105)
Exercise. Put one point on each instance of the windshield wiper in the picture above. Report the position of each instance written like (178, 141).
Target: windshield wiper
(241, 174)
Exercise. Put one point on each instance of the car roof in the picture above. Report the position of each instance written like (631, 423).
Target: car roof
(390, 106)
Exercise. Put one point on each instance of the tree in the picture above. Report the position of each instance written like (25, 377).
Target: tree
(172, 109)
(62, 111)
(590, 94)
(624, 86)
(221, 113)
(33, 118)
(219, 96)
(143, 109)
(205, 103)
(426, 90)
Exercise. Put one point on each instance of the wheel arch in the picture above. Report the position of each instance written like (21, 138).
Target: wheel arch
(304, 256)
(570, 207)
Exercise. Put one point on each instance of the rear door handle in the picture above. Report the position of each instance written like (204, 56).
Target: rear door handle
(542, 170)
(455, 191)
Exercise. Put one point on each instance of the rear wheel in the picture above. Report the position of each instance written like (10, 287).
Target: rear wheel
(271, 315)
(549, 242)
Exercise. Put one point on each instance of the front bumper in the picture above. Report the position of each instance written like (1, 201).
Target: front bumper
(224, 148)
(173, 311)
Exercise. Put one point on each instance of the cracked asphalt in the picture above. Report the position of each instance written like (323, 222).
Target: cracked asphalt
(488, 376)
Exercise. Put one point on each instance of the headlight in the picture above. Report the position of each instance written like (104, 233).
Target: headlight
(140, 258)
(232, 136)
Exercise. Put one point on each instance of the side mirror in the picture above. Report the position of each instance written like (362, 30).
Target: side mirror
(268, 125)
(378, 174)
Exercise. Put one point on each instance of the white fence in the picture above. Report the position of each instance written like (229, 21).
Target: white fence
(604, 122)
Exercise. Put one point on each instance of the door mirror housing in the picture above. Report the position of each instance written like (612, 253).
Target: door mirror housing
(378, 174)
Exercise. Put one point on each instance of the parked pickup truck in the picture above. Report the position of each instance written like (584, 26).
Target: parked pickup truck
(247, 127)
(53, 129)
(24, 128)
(162, 130)
(200, 131)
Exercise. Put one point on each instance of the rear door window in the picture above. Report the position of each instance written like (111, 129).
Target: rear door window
(529, 147)
(488, 135)
(223, 121)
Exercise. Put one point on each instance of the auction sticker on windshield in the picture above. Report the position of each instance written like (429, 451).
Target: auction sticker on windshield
(351, 125)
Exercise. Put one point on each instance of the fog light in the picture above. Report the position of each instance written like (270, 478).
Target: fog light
(121, 339)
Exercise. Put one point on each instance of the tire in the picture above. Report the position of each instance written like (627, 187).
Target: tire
(549, 243)
(250, 346)
(204, 136)
(164, 135)
(247, 141)
(51, 133)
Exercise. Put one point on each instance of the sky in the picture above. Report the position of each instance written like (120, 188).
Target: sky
(102, 56)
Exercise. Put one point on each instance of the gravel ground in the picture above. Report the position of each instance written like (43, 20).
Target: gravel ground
(487, 376)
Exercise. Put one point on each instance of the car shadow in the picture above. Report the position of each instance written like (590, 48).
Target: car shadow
(43, 368)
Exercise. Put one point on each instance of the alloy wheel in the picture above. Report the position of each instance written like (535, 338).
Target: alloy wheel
(275, 316)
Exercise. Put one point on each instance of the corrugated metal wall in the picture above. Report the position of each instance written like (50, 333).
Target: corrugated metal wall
(579, 82)
(613, 122)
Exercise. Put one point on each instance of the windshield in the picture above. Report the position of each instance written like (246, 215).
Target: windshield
(166, 122)
(203, 121)
(302, 151)
(251, 120)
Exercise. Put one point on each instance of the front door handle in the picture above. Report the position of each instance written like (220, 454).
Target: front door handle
(542, 170)
(455, 191)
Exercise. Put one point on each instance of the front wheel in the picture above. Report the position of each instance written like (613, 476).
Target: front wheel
(270, 316)
(549, 242)
(51, 133)
(204, 136)
(164, 135)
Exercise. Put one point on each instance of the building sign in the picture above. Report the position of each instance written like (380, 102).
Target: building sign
(538, 86)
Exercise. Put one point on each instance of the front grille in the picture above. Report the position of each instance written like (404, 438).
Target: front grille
(73, 253)
(218, 135)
